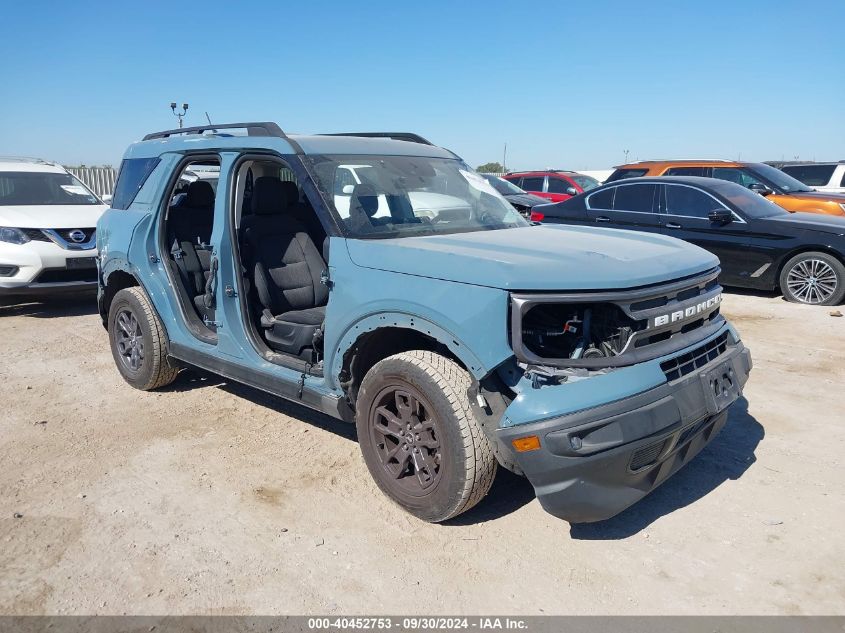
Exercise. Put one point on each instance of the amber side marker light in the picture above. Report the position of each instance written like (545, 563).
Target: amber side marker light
(525, 444)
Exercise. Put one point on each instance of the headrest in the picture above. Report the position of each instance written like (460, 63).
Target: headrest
(366, 197)
(200, 194)
(270, 196)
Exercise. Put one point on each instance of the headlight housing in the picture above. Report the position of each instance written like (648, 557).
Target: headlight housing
(13, 236)
(843, 206)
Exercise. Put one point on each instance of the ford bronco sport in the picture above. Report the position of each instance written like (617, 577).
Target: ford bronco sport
(593, 361)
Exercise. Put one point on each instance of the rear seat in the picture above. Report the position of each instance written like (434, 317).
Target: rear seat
(189, 226)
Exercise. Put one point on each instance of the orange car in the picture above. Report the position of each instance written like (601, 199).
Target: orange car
(780, 188)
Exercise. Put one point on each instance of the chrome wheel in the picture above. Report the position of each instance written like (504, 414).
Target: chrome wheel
(812, 281)
(129, 340)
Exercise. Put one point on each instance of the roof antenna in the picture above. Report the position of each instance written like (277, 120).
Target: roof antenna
(208, 118)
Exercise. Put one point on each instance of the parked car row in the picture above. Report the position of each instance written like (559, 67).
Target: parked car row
(759, 244)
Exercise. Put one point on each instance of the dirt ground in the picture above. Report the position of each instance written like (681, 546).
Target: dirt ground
(212, 498)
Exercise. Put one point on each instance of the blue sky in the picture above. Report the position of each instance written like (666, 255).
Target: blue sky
(564, 84)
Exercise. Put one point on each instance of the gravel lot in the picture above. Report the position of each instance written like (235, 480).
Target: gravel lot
(212, 498)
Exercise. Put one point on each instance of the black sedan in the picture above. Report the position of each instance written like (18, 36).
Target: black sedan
(759, 244)
(521, 200)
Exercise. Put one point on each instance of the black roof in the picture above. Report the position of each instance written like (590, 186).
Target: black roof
(698, 181)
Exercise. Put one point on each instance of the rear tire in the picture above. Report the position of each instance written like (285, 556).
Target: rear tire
(138, 341)
(813, 278)
(420, 439)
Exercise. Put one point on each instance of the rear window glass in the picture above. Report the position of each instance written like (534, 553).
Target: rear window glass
(634, 198)
(133, 174)
(621, 174)
(811, 175)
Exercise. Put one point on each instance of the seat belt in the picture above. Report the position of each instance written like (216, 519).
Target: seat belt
(179, 257)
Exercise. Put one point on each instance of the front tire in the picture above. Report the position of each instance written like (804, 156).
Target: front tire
(420, 440)
(813, 278)
(138, 341)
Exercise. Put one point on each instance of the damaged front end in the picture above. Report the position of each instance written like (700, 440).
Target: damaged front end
(560, 336)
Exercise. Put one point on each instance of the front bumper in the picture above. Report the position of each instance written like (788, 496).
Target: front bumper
(594, 463)
(38, 267)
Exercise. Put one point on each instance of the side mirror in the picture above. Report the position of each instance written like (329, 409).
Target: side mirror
(572, 191)
(348, 189)
(721, 217)
(760, 188)
(107, 198)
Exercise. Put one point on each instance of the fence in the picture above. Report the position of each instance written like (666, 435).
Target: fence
(100, 180)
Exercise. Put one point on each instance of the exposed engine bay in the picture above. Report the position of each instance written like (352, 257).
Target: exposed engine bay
(576, 331)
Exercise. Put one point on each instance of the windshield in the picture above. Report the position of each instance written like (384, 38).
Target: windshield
(503, 186)
(402, 196)
(751, 204)
(784, 182)
(42, 188)
(585, 182)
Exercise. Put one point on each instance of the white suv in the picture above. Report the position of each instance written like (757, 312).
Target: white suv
(47, 222)
(827, 177)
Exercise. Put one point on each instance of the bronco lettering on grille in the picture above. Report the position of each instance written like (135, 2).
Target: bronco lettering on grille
(687, 312)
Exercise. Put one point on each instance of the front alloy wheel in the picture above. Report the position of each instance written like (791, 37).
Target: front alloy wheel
(405, 435)
(420, 439)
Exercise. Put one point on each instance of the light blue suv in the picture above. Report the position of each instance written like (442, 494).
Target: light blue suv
(377, 278)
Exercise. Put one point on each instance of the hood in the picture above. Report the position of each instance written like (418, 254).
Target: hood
(545, 257)
(525, 199)
(833, 224)
(818, 195)
(59, 216)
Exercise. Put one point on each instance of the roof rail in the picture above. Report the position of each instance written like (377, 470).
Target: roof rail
(265, 128)
(397, 136)
(684, 160)
(25, 159)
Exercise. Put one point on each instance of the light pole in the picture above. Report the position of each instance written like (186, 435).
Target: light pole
(181, 114)
(626, 155)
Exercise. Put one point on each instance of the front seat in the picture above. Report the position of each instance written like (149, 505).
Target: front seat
(285, 268)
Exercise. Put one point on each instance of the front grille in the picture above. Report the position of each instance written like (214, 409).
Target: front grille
(36, 235)
(686, 363)
(65, 234)
(614, 328)
(63, 275)
(648, 455)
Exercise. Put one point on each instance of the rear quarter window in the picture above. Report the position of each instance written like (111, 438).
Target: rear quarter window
(132, 176)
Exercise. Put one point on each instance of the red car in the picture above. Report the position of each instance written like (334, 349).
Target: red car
(553, 184)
